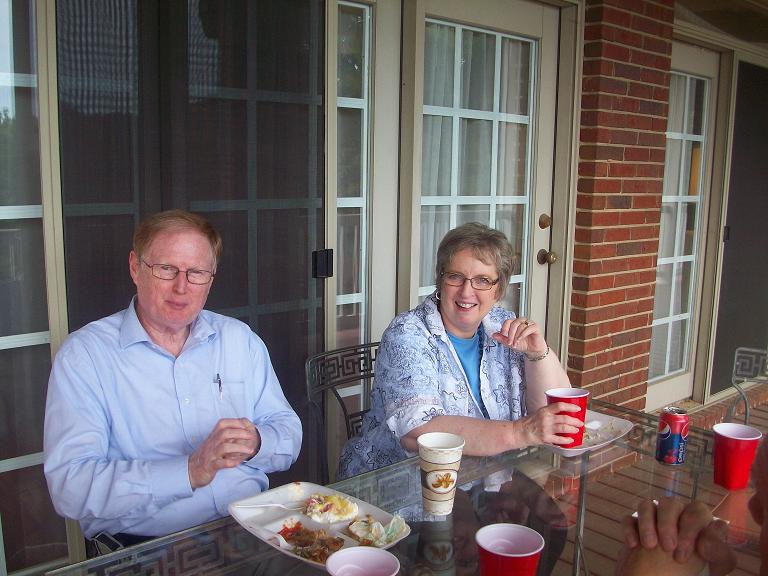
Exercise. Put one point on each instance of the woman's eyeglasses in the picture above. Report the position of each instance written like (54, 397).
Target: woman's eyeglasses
(478, 282)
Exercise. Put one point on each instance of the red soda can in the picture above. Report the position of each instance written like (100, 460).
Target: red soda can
(672, 436)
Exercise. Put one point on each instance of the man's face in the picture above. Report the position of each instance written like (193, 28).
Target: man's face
(169, 306)
(758, 504)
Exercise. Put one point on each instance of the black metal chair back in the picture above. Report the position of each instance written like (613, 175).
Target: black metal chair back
(327, 374)
(749, 365)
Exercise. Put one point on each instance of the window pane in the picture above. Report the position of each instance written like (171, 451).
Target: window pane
(22, 399)
(350, 251)
(512, 159)
(696, 109)
(692, 168)
(98, 282)
(689, 227)
(658, 360)
(515, 72)
(478, 51)
(676, 102)
(672, 167)
(473, 213)
(511, 300)
(19, 146)
(17, 38)
(434, 225)
(509, 219)
(349, 319)
(350, 152)
(23, 306)
(438, 65)
(668, 229)
(682, 288)
(475, 157)
(436, 156)
(663, 291)
(32, 531)
(677, 338)
(351, 51)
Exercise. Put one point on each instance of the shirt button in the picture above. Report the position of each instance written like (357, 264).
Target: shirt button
(186, 400)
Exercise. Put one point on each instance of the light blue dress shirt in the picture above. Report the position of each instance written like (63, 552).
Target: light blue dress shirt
(123, 415)
(419, 376)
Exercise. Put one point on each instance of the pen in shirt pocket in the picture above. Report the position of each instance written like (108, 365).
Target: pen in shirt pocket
(217, 380)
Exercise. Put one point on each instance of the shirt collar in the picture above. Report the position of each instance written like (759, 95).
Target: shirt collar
(435, 325)
(132, 332)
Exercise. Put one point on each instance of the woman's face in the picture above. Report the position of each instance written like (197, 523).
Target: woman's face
(463, 307)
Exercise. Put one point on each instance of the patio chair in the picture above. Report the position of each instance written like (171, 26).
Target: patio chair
(328, 375)
(749, 365)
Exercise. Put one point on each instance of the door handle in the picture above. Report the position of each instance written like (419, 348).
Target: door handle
(546, 257)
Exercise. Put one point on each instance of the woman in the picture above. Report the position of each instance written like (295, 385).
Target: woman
(459, 363)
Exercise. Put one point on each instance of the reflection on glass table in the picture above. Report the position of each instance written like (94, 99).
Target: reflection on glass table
(575, 503)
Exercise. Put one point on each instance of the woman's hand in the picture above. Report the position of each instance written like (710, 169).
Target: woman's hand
(545, 425)
(523, 335)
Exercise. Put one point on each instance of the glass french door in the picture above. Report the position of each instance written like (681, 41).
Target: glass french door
(683, 215)
(216, 107)
(32, 536)
(484, 130)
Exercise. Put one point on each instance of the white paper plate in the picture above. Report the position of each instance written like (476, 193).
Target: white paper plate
(273, 519)
(600, 430)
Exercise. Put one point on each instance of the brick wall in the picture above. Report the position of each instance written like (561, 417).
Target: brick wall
(625, 94)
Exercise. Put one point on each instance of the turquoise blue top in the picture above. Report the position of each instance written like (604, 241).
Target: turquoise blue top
(469, 351)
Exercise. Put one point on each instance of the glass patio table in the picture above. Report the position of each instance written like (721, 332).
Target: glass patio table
(577, 503)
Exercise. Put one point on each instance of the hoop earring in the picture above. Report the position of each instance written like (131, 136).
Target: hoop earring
(437, 296)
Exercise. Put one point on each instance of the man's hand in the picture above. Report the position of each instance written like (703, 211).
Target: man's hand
(231, 441)
(683, 533)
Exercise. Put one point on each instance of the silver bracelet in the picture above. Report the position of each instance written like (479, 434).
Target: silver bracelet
(539, 357)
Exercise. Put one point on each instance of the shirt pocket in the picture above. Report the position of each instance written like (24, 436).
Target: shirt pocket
(232, 399)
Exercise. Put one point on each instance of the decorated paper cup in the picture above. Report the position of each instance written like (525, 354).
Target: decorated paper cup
(440, 455)
(577, 396)
(735, 446)
(362, 561)
(507, 549)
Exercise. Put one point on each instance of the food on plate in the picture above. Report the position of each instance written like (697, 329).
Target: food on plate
(315, 545)
(370, 532)
(329, 508)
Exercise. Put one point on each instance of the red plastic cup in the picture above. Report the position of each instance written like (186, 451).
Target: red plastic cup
(735, 446)
(508, 550)
(576, 396)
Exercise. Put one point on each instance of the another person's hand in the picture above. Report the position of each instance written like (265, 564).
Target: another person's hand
(681, 535)
(545, 425)
(523, 335)
(231, 441)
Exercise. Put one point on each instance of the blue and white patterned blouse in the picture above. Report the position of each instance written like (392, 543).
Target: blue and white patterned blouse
(419, 376)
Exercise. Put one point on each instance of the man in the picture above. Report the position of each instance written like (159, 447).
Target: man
(676, 539)
(160, 415)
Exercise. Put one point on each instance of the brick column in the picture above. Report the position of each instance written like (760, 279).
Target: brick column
(625, 95)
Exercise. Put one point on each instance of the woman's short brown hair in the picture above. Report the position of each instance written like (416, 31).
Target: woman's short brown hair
(159, 222)
(488, 245)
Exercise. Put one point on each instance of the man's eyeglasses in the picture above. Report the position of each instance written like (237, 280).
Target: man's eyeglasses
(478, 282)
(169, 272)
